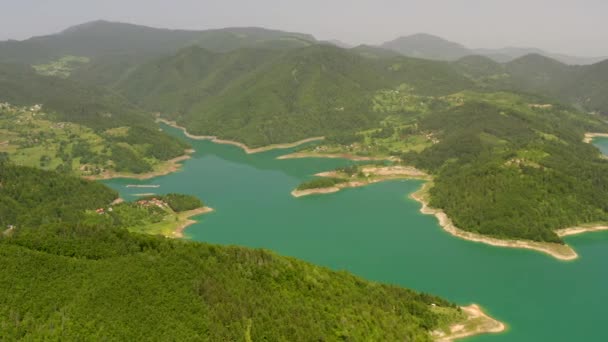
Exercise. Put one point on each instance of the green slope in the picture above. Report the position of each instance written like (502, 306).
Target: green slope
(261, 97)
(70, 274)
(136, 149)
(427, 46)
(370, 51)
(583, 86)
(511, 171)
(506, 165)
(103, 38)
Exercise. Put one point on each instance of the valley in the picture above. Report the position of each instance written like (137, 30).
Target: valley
(253, 184)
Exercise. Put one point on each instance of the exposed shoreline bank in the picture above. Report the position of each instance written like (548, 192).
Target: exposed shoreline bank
(376, 175)
(589, 137)
(178, 232)
(562, 252)
(246, 148)
(579, 230)
(558, 251)
(301, 155)
(477, 323)
(167, 167)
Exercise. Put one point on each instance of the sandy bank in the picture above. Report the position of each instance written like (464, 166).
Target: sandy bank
(117, 201)
(589, 136)
(561, 252)
(395, 171)
(373, 174)
(379, 174)
(300, 155)
(477, 323)
(178, 232)
(246, 148)
(579, 230)
(301, 193)
(166, 168)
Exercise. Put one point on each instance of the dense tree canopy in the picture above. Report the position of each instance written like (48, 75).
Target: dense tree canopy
(70, 272)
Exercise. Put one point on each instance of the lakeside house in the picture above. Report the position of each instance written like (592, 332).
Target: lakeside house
(153, 202)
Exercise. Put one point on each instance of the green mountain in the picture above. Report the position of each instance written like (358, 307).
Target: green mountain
(69, 100)
(582, 86)
(532, 172)
(477, 66)
(432, 47)
(370, 51)
(504, 55)
(427, 46)
(103, 38)
(71, 273)
(110, 132)
(113, 49)
(265, 96)
(262, 97)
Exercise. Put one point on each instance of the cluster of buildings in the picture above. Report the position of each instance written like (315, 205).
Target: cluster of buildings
(102, 211)
(153, 202)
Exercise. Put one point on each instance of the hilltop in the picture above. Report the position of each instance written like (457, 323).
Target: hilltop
(581, 86)
(103, 38)
(73, 127)
(261, 97)
(428, 46)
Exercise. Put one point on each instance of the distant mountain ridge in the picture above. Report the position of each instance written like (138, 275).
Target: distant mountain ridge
(117, 50)
(422, 45)
(102, 38)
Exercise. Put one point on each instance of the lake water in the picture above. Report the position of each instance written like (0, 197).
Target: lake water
(377, 232)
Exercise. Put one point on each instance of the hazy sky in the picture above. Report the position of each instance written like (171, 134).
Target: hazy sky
(569, 26)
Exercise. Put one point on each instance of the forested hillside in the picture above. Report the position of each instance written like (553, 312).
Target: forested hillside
(505, 165)
(32, 197)
(108, 132)
(72, 272)
(525, 150)
(513, 171)
(427, 46)
(582, 86)
(103, 38)
(261, 87)
(262, 97)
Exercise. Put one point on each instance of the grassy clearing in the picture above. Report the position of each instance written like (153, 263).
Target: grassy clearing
(31, 138)
(62, 67)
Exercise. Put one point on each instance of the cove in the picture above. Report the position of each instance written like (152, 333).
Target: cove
(377, 232)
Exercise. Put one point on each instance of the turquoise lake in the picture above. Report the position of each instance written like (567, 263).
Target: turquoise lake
(378, 233)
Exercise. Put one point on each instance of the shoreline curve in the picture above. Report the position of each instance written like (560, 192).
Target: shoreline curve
(302, 155)
(478, 323)
(178, 232)
(589, 137)
(168, 167)
(562, 252)
(246, 148)
(379, 174)
(558, 251)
